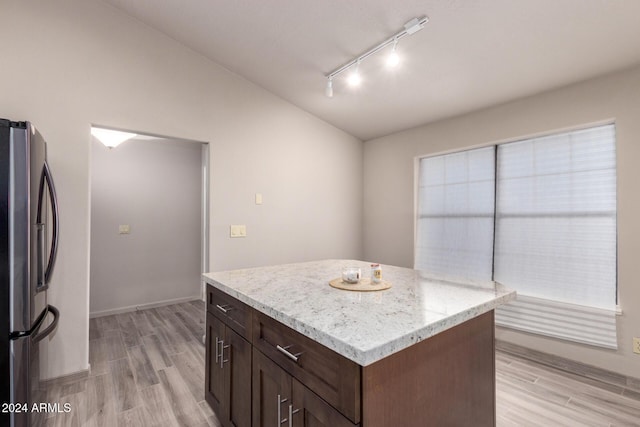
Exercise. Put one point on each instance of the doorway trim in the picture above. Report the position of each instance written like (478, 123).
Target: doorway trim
(204, 234)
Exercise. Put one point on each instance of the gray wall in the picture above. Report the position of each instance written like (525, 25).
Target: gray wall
(389, 189)
(74, 63)
(155, 187)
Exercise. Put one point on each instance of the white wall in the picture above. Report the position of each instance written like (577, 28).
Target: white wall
(155, 187)
(389, 189)
(68, 64)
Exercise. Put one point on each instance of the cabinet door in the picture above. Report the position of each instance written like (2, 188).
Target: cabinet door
(237, 367)
(214, 375)
(309, 410)
(271, 392)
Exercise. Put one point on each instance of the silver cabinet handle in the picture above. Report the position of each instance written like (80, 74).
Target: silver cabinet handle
(280, 402)
(217, 349)
(222, 359)
(291, 412)
(224, 308)
(279, 413)
(284, 350)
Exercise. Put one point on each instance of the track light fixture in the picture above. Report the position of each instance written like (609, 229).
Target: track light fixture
(411, 27)
(329, 90)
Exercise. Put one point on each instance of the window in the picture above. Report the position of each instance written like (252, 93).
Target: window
(456, 215)
(555, 229)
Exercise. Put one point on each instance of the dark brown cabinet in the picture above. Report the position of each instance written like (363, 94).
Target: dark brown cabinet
(332, 377)
(271, 392)
(214, 378)
(280, 399)
(228, 374)
(262, 373)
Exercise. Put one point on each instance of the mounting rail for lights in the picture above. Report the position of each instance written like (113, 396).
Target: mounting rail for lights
(411, 27)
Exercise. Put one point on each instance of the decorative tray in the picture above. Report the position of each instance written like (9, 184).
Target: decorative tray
(364, 285)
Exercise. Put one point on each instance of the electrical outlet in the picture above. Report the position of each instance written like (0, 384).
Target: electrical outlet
(636, 345)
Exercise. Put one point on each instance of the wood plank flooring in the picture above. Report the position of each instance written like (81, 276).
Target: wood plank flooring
(147, 369)
(531, 394)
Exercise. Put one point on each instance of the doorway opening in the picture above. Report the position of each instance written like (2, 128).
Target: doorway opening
(149, 222)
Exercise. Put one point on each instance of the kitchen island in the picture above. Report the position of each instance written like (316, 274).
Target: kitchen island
(285, 348)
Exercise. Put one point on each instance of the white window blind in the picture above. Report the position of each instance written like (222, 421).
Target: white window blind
(579, 323)
(556, 235)
(454, 237)
(556, 217)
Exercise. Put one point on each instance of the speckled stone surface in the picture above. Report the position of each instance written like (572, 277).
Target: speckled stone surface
(362, 326)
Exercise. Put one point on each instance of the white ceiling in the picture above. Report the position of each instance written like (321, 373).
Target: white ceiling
(472, 53)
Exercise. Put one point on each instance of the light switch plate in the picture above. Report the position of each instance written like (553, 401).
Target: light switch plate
(238, 231)
(124, 229)
(636, 345)
(258, 198)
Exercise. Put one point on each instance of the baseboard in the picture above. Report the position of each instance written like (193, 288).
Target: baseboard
(142, 306)
(68, 378)
(571, 366)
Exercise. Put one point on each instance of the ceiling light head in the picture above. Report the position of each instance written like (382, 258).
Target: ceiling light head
(355, 79)
(393, 59)
(329, 90)
(111, 138)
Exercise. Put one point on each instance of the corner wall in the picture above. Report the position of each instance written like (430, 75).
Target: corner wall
(72, 63)
(389, 189)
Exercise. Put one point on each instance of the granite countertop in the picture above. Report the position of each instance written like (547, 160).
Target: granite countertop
(362, 326)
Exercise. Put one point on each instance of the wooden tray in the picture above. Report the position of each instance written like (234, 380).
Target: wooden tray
(364, 285)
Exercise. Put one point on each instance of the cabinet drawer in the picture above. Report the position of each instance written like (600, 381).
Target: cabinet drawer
(331, 376)
(229, 310)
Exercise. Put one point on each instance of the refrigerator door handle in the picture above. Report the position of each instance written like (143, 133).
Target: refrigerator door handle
(41, 238)
(34, 330)
(40, 335)
(46, 176)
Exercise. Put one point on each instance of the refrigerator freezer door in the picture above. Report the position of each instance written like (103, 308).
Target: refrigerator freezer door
(20, 318)
(19, 382)
(38, 210)
(26, 384)
(26, 380)
(26, 258)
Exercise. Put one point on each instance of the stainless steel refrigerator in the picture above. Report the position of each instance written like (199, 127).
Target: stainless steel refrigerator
(28, 247)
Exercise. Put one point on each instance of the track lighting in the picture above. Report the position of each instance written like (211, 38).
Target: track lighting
(393, 59)
(411, 27)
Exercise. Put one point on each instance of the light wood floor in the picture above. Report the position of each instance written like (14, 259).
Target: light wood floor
(147, 369)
